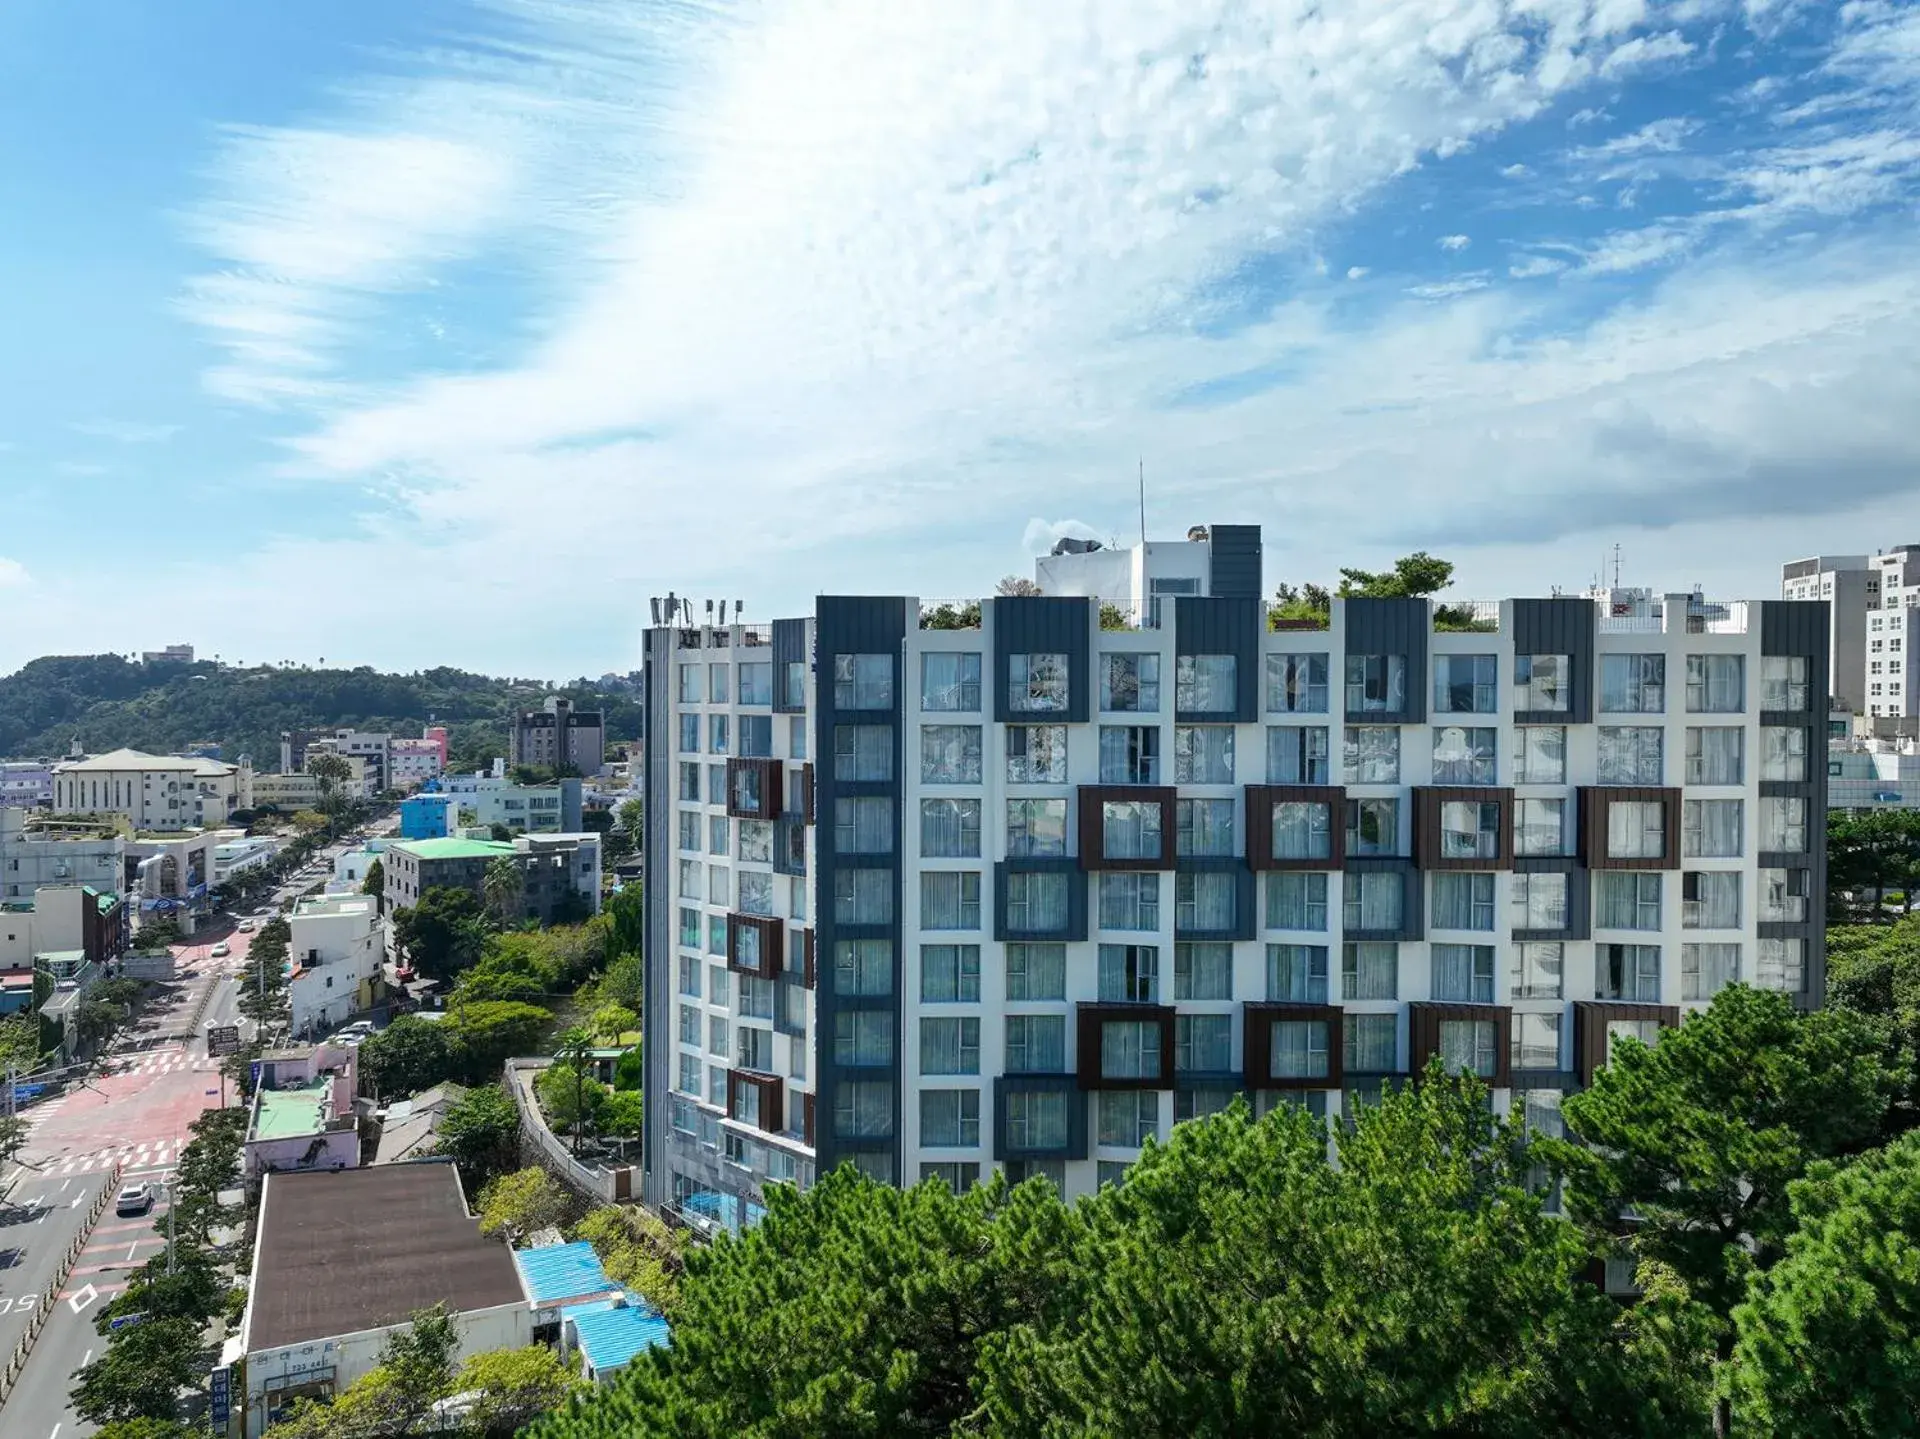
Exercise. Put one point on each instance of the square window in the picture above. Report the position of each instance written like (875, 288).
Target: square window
(1129, 901)
(1716, 684)
(1633, 684)
(950, 754)
(1462, 900)
(1129, 973)
(1706, 969)
(949, 1118)
(1036, 973)
(1130, 683)
(1036, 827)
(1465, 756)
(1203, 1043)
(1037, 903)
(1371, 754)
(1540, 826)
(1296, 900)
(1637, 829)
(1205, 902)
(1538, 970)
(1297, 684)
(1369, 971)
(1539, 901)
(1202, 970)
(949, 974)
(1783, 682)
(1467, 1046)
(1037, 1044)
(1373, 827)
(1376, 684)
(1628, 972)
(1129, 754)
(863, 682)
(1463, 973)
(1129, 1049)
(1716, 754)
(1466, 684)
(950, 682)
(1130, 829)
(1302, 830)
(1129, 1117)
(1204, 827)
(1470, 829)
(1204, 684)
(1540, 754)
(1298, 754)
(1373, 901)
(1299, 1049)
(863, 824)
(950, 900)
(950, 828)
(1542, 682)
(1036, 754)
(862, 752)
(1037, 683)
(1624, 900)
(1297, 973)
(1203, 754)
(950, 1045)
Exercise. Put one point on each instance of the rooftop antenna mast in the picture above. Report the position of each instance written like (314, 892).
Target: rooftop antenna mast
(1143, 502)
(1616, 564)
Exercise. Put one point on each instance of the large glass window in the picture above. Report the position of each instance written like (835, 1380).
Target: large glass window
(1130, 683)
(1462, 900)
(1297, 684)
(1540, 826)
(863, 896)
(950, 1045)
(1129, 973)
(1783, 895)
(1203, 901)
(1296, 900)
(1129, 1049)
(689, 734)
(689, 829)
(949, 974)
(863, 1109)
(1130, 829)
(1036, 972)
(950, 900)
(1466, 684)
(1538, 970)
(1626, 900)
(1036, 1044)
(1372, 754)
(717, 826)
(1637, 829)
(863, 825)
(1463, 973)
(862, 752)
(1203, 754)
(1542, 682)
(1302, 829)
(950, 754)
(1037, 683)
(1037, 903)
(1299, 1049)
(1036, 827)
(1203, 1043)
(1629, 972)
(1539, 901)
(1467, 1046)
(1129, 1117)
(1706, 969)
(1371, 1043)
(756, 736)
(756, 892)
(1470, 829)
(1203, 827)
(1781, 964)
(1711, 828)
(1297, 973)
(1536, 1041)
(1374, 901)
(1202, 970)
(1783, 753)
(1540, 754)
(1037, 1119)
(863, 682)
(1036, 754)
(688, 691)
(950, 682)
(950, 828)
(1464, 756)
(1716, 684)
(949, 1118)
(1129, 754)
(1204, 684)
(717, 683)
(756, 683)
(863, 1038)
(1297, 754)
(1376, 684)
(1633, 684)
(1783, 824)
(690, 776)
(1783, 683)
(1129, 901)
(1710, 899)
(794, 684)
(1716, 754)
(1373, 826)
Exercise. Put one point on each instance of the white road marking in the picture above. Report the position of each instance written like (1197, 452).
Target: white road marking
(78, 1199)
(80, 1301)
(56, 1433)
(86, 1359)
(133, 1249)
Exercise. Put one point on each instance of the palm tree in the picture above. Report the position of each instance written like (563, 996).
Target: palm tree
(503, 891)
(576, 1052)
(331, 771)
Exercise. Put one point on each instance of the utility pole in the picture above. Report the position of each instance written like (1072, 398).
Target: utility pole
(170, 1208)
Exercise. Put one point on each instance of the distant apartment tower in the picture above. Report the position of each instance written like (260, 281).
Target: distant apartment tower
(558, 734)
(1893, 631)
(376, 750)
(26, 783)
(172, 654)
(936, 901)
(1850, 585)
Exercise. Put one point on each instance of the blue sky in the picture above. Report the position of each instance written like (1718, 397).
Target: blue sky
(449, 332)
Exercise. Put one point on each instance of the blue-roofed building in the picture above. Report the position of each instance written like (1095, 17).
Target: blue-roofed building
(608, 1334)
(559, 1276)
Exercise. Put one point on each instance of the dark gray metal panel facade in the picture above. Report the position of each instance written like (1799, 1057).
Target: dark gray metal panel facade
(1245, 893)
(852, 625)
(656, 1011)
(1233, 562)
(1076, 1146)
(1559, 627)
(1077, 883)
(1391, 627)
(1205, 626)
(1803, 627)
(1042, 624)
(1579, 896)
(789, 647)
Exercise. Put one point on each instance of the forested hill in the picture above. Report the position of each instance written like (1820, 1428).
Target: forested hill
(107, 701)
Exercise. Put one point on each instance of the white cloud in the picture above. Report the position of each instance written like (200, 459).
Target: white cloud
(1532, 267)
(1516, 171)
(1448, 289)
(1357, 272)
(126, 432)
(1657, 137)
(13, 574)
(1643, 51)
(1455, 242)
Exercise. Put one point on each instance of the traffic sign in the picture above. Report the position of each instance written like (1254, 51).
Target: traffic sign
(125, 1321)
(222, 1039)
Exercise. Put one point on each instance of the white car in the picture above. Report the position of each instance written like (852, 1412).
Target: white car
(220, 950)
(134, 1199)
(244, 926)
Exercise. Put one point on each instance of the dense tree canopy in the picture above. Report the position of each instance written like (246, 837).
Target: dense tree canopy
(443, 933)
(1873, 865)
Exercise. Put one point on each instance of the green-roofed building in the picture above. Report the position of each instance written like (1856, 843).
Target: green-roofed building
(560, 872)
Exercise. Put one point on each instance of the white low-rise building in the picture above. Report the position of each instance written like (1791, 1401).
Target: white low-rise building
(334, 946)
(236, 856)
(155, 792)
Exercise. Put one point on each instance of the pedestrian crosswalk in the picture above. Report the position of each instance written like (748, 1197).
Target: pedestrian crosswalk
(153, 1154)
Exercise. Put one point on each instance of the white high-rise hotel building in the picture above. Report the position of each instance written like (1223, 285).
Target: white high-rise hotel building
(935, 900)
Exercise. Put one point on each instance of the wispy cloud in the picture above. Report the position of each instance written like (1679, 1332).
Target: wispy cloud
(1643, 51)
(125, 432)
(13, 574)
(1447, 289)
(1455, 242)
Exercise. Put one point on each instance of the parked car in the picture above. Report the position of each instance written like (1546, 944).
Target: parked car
(353, 1033)
(220, 950)
(134, 1199)
(244, 926)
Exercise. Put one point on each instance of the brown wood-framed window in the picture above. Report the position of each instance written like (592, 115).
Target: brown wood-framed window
(1266, 823)
(1592, 1021)
(1093, 801)
(1091, 1067)
(1488, 839)
(768, 1091)
(1257, 1049)
(763, 955)
(753, 788)
(1597, 806)
(1427, 1034)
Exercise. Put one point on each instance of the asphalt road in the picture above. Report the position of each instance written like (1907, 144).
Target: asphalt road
(37, 1223)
